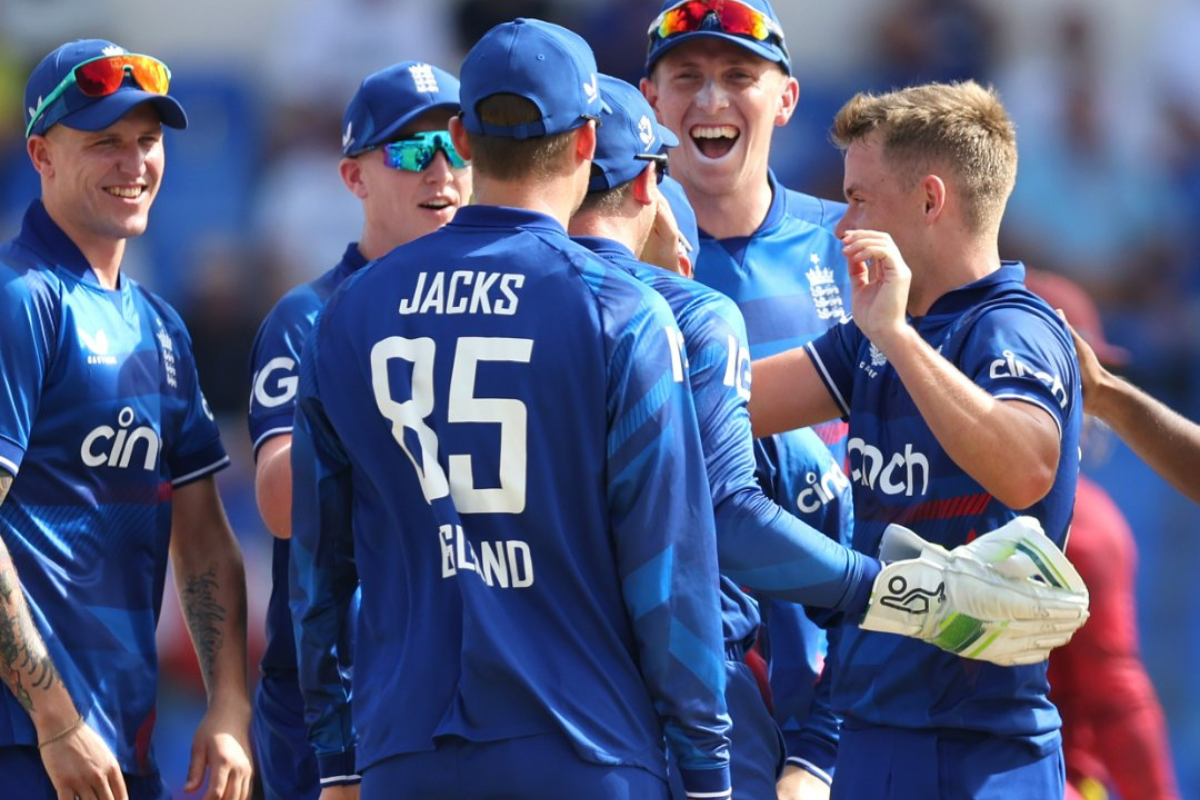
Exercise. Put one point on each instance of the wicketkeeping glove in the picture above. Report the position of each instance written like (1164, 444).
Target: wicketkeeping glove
(1009, 597)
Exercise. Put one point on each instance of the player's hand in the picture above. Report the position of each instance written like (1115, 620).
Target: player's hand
(797, 783)
(1009, 597)
(81, 765)
(221, 748)
(1091, 373)
(345, 792)
(879, 285)
(665, 247)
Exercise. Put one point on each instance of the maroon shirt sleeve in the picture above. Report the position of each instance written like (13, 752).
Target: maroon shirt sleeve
(1113, 726)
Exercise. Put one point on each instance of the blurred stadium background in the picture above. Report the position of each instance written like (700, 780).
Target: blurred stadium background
(1106, 95)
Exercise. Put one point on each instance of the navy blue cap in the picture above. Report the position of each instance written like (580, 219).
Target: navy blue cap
(546, 64)
(76, 110)
(388, 100)
(710, 28)
(628, 133)
(681, 208)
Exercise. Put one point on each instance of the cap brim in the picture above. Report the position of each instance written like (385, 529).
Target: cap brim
(108, 110)
(390, 131)
(760, 49)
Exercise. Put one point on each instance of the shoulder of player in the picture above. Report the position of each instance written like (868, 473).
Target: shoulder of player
(811, 210)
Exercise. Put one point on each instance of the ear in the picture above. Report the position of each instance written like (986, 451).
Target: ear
(686, 268)
(650, 92)
(351, 170)
(933, 189)
(39, 154)
(458, 135)
(789, 97)
(585, 141)
(645, 187)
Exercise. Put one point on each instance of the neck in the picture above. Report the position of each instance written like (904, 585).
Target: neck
(103, 253)
(557, 198)
(727, 214)
(617, 229)
(373, 244)
(950, 270)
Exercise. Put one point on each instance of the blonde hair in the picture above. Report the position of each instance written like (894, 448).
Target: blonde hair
(960, 127)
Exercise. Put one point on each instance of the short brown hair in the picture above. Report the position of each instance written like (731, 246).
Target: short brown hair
(607, 201)
(507, 159)
(962, 127)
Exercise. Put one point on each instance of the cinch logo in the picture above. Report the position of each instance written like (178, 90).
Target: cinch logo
(271, 394)
(1010, 367)
(117, 448)
(821, 489)
(892, 476)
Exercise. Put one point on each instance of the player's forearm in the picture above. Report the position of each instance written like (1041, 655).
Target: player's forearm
(25, 664)
(212, 594)
(1162, 438)
(1001, 447)
(787, 394)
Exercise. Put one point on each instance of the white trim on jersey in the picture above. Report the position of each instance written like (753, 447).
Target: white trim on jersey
(812, 768)
(829, 384)
(1035, 402)
(338, 779)
(9, 465)
(261, 440)
(191, 476)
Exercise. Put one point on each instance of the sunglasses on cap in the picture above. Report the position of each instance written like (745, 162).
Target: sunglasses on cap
(415, 153)
(103, 75)
(731, 16)
(658, 158)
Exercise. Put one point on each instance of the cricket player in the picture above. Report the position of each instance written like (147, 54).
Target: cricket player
(495, 436)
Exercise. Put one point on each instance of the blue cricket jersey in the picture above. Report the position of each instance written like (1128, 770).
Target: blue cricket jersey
(101, 416)
(760, 546)
(275, 375)
(1008, 341)
(790, 282)
(495, 428)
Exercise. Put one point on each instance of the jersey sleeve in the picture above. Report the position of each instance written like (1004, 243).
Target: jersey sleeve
(813, 746)
(835, 355)
(1019, 353)
(26, 350)
(322, 574)
(196, 450)
(275, 365)
(664, 539)
(760, 545)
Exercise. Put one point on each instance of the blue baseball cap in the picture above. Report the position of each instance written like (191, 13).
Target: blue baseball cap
(629, 135)
(546, 64)
(681, 207)
(709, 26)
(76, 110)
(388, 100)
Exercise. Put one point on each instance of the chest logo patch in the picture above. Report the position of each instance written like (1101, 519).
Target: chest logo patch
(827, 297)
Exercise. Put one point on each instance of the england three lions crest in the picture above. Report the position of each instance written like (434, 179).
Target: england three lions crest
(827, 297)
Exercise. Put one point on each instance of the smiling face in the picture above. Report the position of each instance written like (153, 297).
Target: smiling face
(401, 206)
(724, 103)
(99, 185)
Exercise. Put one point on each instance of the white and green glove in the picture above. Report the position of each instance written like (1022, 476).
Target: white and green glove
(1009, 597)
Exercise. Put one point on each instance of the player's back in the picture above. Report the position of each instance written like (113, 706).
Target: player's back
(480, 382)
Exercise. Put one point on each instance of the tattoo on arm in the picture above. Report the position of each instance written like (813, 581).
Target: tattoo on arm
(24, 661)
(204, 613)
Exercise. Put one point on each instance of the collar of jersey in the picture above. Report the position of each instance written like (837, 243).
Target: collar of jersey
(504, 217)
(605, 247)
(352, 260)
(42, 234)
(959, 300)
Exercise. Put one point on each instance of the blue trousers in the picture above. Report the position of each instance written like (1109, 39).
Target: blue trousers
(897, 764)
(529, 768)
(286, 762)
(22, 775)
